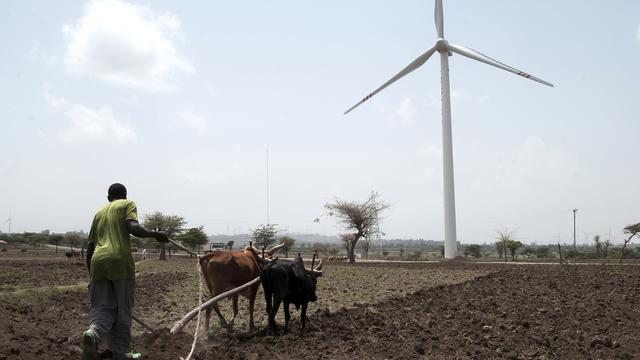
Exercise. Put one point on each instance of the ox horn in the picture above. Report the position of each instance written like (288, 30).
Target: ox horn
(313, 260)
(319, 268)
(275, 249)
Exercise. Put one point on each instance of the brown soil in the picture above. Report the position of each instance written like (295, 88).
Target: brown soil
(512, 312)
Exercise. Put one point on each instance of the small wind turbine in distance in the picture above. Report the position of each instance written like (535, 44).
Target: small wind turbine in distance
(446, 49)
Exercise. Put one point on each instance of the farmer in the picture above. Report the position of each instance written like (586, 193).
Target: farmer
(144, 254)
(112, 274)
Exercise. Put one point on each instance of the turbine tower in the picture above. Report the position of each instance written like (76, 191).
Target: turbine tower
(446, 49)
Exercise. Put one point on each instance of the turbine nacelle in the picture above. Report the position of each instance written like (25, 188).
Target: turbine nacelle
(442, 46)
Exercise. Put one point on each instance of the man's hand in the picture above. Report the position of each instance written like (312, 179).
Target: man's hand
(162, 237)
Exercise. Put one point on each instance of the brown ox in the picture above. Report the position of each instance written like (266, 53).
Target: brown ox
(224, 270)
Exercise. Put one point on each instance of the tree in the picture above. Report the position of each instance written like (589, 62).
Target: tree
(72, 239)
(472, 250)
(194, 237)
(55, 239)
(230, 244)
(39, 240)
(605, 248)
(288, 244)
(317, 248)
(513, 246)
(366, 244)
(504, 236)
(528, 251)
(562, 261)
(173, 225)
(631, 230)
(361, 219)
(346, 240)
(598, 243)
(500, 249)
(264, 235)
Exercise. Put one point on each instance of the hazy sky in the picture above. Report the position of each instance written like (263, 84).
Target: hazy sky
(180, 100)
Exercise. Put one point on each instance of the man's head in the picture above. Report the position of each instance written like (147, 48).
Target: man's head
(117, 191)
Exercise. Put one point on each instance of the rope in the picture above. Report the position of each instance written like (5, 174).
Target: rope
(195, 334)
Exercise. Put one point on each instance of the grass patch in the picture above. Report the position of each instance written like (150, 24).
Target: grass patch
(7, 287)
(34, 296)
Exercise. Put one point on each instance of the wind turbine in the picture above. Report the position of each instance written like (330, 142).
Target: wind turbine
(446, 49)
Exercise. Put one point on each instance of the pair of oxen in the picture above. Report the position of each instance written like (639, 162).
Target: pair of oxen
(283, 281)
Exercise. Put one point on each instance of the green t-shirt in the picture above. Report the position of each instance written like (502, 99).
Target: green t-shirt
(112, 258)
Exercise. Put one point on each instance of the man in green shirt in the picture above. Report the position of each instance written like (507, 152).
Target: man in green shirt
(112, 273)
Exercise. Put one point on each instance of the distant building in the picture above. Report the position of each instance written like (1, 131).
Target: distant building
(216, 246)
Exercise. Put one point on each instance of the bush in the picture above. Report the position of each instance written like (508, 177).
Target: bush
(415, 256)
(472, 250)
(543, 252)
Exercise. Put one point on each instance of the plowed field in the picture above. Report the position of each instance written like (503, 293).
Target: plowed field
(449, 310)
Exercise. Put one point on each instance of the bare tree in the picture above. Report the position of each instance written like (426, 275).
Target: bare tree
(359, 218)
(505, 236)
(631, 230)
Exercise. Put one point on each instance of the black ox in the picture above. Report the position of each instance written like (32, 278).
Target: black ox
(290, 283)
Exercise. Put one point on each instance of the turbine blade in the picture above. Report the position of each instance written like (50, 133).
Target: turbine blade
(419, 61)
(439, 18)
(472, 54)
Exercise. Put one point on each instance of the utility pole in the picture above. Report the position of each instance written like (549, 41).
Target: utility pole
(575, 248)
(9, 221)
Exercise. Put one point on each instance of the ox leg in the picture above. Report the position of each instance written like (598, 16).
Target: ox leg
(273, 329)
(287, 316)
(234, 300)
(206, 319)
(252, 301)
(223, 322)
(208, 309)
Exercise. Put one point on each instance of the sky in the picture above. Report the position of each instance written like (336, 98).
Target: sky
(180, 101)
